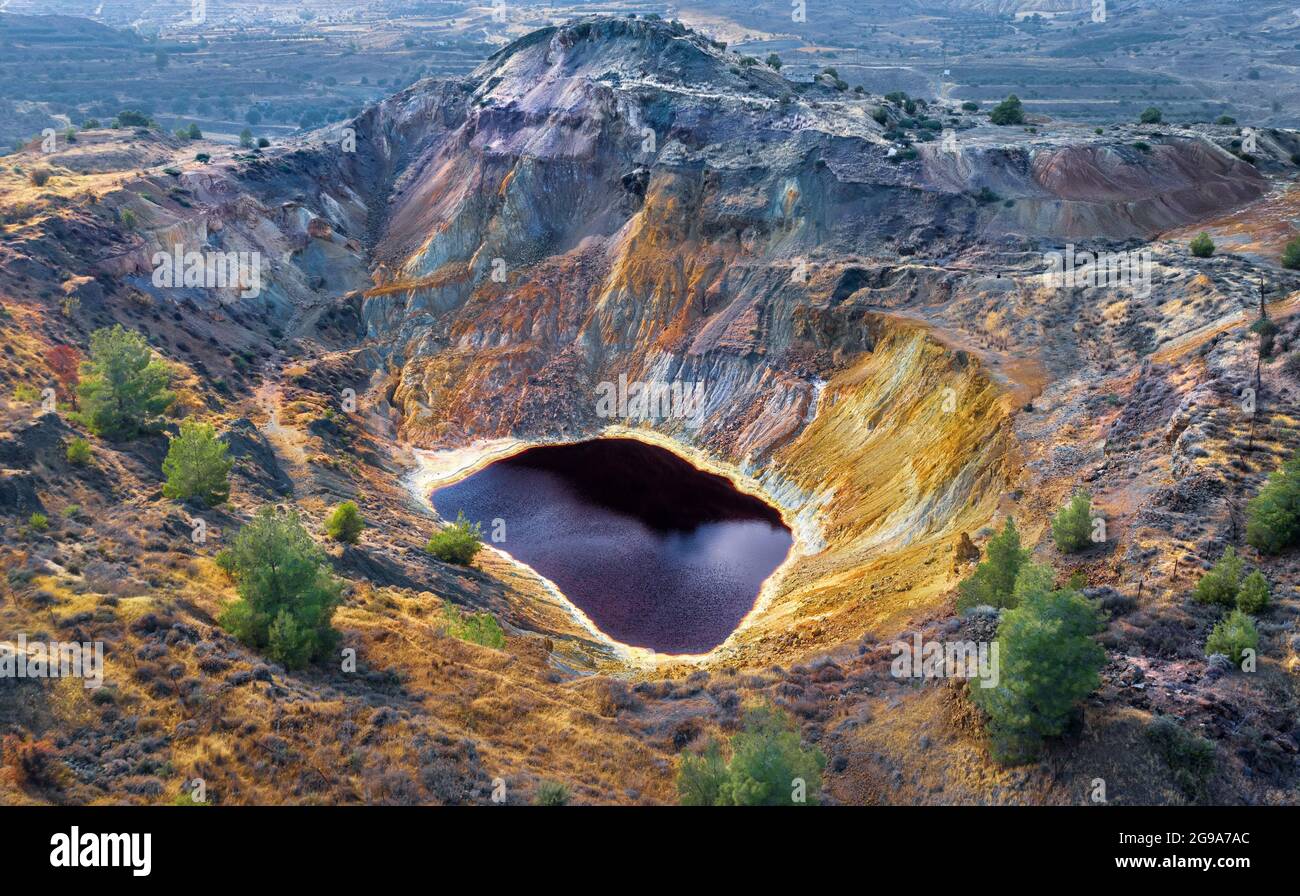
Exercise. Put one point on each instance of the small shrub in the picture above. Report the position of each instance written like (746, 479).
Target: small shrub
(33, 763)
(39, 177)
(1252, 597)
(345, 523)
(458, 542)
(79, 452)
(1202, 246)
(1190, 758)
(1072, 525)
(26, 393)
(39, 522)
(128, 218)
(1219, 585)
(1151, 115)
(477, 628)
(1235, 634)
(1291, 366)
(551, 793)
(766, 758)
(1291, 255)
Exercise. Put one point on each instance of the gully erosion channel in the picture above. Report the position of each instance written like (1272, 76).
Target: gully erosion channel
(657, 553)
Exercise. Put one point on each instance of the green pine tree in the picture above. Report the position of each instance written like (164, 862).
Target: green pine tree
(1252, 597)
(1072, 525)
(1202, 246)
(768, 762)
(1220, 584)
(1233, 636)
(287, 593)
(1273, 516)
(1009, 111)
(196, 465)
(1048, 661)
(345, 523)
(123, 388)
(993, 581)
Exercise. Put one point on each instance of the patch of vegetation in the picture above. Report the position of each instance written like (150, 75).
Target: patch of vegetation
(1291, 255)
(478, 628)
(1151, 115)
(993, 582)
(1008, 112)
(79, 452)
(39, 522)
(774, 61)
(123, 388)
(1190, 758)
(1220, 585)
(197, 465)
(458, 542)
(287, 595)
(39, 177)
(767, 759)
(1049, 661)
(1273, 515)
(345, 523)
(1233, 636)
(970, 106)
(1072, 525)
(551, 793)
(26, 393)
(1252, 596)
(1201, 245)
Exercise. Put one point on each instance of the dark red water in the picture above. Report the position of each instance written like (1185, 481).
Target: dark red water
(656, 552)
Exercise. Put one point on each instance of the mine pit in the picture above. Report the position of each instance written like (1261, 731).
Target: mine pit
(657, 553)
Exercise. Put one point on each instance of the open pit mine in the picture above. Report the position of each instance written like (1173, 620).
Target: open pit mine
(677, 403)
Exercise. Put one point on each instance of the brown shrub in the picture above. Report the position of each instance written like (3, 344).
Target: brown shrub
(33, 763)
